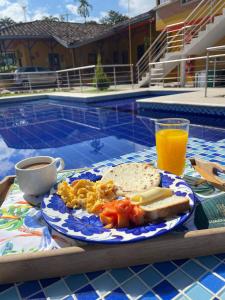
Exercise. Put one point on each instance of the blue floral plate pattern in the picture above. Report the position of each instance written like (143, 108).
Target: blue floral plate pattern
(82, 226)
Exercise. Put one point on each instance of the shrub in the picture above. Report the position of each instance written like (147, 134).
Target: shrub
(101, 80)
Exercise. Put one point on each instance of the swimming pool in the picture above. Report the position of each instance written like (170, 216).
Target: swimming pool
(82, 134)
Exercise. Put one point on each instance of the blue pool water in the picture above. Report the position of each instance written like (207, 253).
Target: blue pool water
(83, 134)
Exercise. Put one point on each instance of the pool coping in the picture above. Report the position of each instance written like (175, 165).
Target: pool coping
(81, 97)
(194, 97)
(89, 98)
(193, 102)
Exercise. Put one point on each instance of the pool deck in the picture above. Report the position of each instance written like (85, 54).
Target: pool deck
(79, 96)
(195, 96)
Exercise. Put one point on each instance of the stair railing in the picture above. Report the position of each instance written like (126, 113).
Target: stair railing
(153, 53)
(172, 40)
(204, 16)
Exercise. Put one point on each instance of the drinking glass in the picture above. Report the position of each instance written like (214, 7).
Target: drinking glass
(171, 144)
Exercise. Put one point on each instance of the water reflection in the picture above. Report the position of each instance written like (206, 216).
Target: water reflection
(97, 145)
(49, 125)
(82, 134)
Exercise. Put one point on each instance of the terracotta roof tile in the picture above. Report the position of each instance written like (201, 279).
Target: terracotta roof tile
(66, 32)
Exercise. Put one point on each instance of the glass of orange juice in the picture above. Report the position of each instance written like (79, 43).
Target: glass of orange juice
(171, 144)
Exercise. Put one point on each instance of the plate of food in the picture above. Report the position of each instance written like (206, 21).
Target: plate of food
(126, 203)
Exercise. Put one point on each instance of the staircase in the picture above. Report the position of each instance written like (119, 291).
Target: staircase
(203, 28)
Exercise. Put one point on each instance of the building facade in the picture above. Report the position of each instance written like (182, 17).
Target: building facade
(61, 45)
(190, 26)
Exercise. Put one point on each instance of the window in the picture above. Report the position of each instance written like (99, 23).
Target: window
(8, 61)
(54, 61)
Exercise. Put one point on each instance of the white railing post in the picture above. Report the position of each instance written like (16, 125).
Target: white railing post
(138, 73)
(179, 75)
(206, 73)
(214, 73)
(68, 79)
(57, 76)
(183, 72)
(114, 76)
(80, 80)
(132, 75)
(96, 79)
(150, 75)
(29, 83)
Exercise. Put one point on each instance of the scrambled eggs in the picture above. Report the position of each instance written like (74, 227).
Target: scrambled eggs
(87, 194)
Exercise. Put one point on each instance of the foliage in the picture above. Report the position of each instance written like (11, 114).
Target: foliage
(12, 218)
(101, 80)
(113, 17)
(84, 9)
(5, 22)
(51, 19)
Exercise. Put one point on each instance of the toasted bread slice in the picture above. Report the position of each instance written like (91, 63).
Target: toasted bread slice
(165, 208)
(132, 178)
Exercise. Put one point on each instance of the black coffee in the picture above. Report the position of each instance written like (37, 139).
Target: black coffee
(36, 166)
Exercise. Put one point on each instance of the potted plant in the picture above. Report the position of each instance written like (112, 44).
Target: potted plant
(101, 80)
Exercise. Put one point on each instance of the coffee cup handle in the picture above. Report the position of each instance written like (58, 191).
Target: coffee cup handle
(61, 164)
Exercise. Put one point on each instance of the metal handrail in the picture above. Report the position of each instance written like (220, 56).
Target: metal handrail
(85, 76)
(27, 73)
(152, 45)
(177, 41)
(152, 53)
(208, 18)
(200, 75)
(193, 12)
(185, 59)
(187, 22)
(77, 69)
(216, 48)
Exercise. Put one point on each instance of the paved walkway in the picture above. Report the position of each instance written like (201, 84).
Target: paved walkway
(195, 96)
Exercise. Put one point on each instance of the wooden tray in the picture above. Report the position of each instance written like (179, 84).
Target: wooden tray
(71, 260)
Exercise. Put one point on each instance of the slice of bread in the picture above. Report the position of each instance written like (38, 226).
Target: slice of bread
(132, 178)
(166, 208)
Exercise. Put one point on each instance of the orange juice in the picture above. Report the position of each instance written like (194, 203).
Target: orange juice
(171, 147)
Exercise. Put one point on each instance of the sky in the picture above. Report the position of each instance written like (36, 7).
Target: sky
(36, 9)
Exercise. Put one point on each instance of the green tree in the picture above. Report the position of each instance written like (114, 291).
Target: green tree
(50, 18)
(113, 17)
(84, 9)
(5, 22)
(101, 80)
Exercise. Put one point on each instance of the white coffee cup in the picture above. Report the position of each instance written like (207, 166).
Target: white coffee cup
(36, 175)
